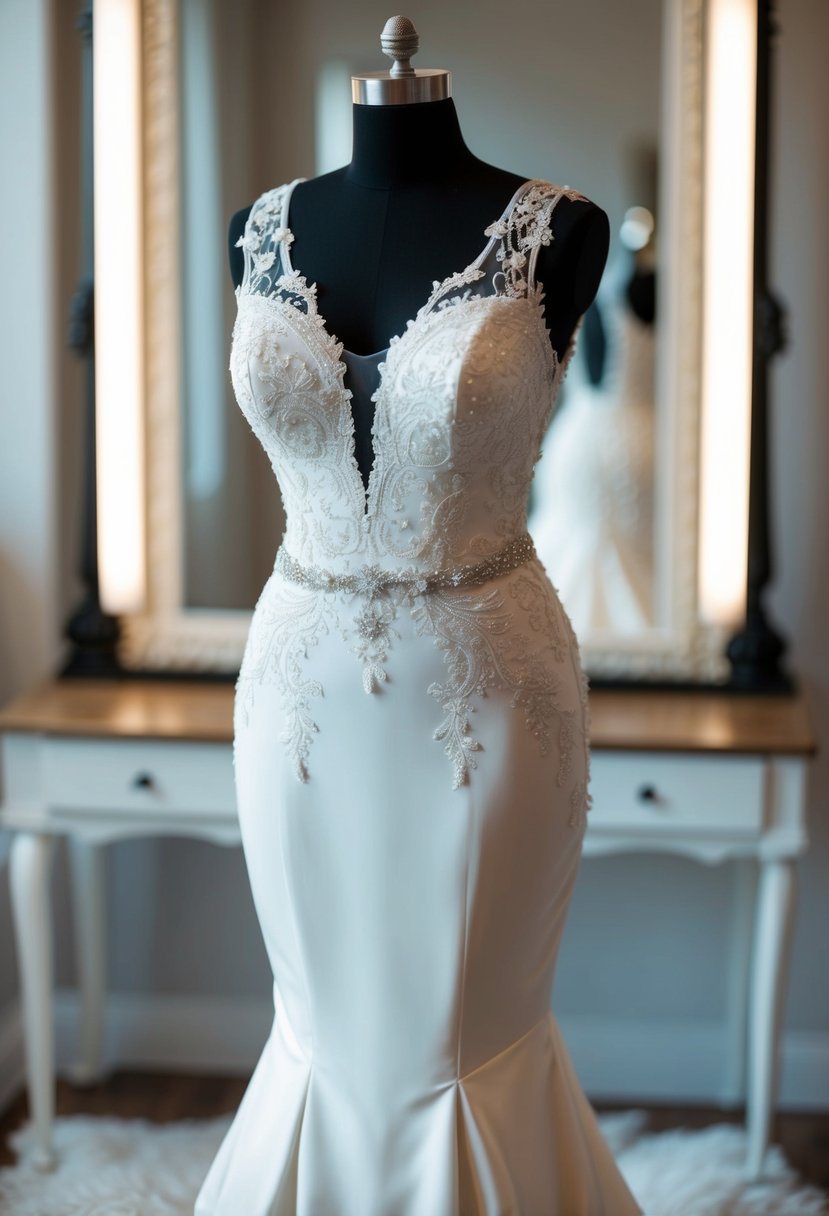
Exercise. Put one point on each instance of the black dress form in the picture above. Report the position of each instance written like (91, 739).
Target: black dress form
(411, 208)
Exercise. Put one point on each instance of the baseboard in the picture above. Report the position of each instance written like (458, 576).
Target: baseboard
(651, 1061)
(188, 1033)
(804, 1082)
(675, 1061)
(669, 1061)
(678, 1062)
(12, 1067)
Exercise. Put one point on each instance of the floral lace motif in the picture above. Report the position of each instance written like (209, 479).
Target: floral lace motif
(465, 396)
(484, 650)
(288, 623)
(524, 231)
(372, 639)
(263, 240)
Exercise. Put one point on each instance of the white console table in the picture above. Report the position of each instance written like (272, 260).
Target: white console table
(709, 776)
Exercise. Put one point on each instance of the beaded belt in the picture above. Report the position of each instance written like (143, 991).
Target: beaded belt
(371, 580)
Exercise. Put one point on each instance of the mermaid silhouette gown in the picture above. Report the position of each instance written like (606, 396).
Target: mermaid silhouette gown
(411, 762)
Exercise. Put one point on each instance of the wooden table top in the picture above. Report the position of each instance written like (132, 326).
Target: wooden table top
(134, 708)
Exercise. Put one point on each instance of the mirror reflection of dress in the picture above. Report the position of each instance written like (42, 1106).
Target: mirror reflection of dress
(592, 513)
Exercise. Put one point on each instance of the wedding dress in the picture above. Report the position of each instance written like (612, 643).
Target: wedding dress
(411, 761)
(592, 519)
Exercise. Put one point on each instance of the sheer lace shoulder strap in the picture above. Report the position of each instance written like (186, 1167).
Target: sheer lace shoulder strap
(525, 228)
(263, 240)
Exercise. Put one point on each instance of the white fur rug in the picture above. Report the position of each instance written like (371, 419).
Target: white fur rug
(116, 1167)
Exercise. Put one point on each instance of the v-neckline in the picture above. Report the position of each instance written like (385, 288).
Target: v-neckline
(437, 287)
(367, 492)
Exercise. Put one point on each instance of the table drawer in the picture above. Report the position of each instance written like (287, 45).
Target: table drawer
(138, 775)
(677, 792)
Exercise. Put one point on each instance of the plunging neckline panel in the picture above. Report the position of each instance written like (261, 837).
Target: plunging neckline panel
(437, 287)
(366, 494)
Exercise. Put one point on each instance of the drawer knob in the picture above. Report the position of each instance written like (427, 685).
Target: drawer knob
(649, 793)
(143, 781)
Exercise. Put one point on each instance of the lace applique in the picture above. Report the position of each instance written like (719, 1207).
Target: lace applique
(262, 241)
(581, 799)
(441, 290)
(374, 633)
(579, 805)
(286, 624)
(464, 399)
(524, 231)
(485, 648)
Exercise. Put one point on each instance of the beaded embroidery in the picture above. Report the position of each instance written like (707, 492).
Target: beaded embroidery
(464, 400)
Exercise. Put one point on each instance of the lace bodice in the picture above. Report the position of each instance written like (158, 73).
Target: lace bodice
(462, 403)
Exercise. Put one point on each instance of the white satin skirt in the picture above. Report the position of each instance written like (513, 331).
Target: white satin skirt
(414, 1066)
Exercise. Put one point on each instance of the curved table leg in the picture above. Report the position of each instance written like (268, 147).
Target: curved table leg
(29, 874)
(772, 938)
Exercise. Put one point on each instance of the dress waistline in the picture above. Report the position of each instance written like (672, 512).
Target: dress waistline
(372, 580)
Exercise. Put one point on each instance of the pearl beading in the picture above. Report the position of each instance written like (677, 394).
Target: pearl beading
(372, 580)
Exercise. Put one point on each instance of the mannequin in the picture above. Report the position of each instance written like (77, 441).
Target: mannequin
(411, 731)
(411, 208)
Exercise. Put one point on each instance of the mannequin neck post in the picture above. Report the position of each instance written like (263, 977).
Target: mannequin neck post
(402, 145)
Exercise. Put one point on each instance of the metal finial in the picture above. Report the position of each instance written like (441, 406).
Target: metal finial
(401, 84)
(400, 42)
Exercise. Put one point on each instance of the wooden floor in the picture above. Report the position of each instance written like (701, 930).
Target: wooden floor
(166, 1096)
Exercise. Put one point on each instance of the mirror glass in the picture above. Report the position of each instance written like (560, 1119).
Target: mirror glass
(566, 92)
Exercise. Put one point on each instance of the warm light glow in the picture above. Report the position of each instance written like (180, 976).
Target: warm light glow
(119, 303)
(333, 116)
(727, 312)
(637, 228)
